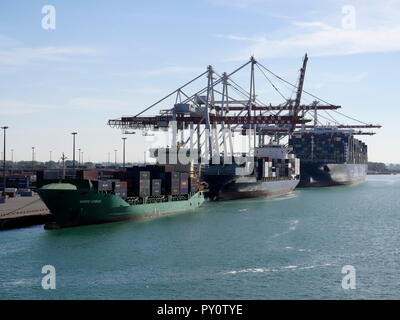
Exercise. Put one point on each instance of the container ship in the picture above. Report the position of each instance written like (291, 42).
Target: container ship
(329, 156)
(272, 171)
(134, 193)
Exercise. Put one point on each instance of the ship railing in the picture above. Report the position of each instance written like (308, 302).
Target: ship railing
(156, 199)
(267, 179)
(342, 160)
(181, 197)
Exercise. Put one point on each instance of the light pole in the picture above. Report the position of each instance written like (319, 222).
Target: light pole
(123, 157)
(79, 157)
(4, 161)
(109, 163)
(12, 158)
(50, 156)
(73, 152)
(63, 158)
(33, 159)
(115, 160)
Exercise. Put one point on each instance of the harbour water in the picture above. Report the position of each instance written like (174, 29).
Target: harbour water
(287, 247)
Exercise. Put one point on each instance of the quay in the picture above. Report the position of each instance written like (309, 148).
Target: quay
(19, 212)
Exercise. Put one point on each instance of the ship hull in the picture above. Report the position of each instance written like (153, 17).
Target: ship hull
(233, 188)
(83, 207)
(320, 174)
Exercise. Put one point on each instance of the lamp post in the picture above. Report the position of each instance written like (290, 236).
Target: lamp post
(4, 161)
(79, 157)
(123, 156)
(73, 152)
(12, 155)
(50, 156)
(109, 162)
(33, 159)
(115, 158)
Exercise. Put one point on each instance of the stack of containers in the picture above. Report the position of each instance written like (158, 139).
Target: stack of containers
(106, 174)
(323, 146)
(184, 183)
(103, 185)
(48, 175)
(156, 187)
(360, 151)
(297, 166)
(268, 167)
(158, 180)
(17, 181)
(87, 174)
(194, 184)
(174, 183)
(26, 193)
(120, 188)
(144, 184)
(11, 192)
(273, 172)
(260, 168)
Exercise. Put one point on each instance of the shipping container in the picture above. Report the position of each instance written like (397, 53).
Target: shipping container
(144, 184)
(103, 185)
(87, 174)
(194, 184)
(52, 174)
(175, 179)
(184, 183)
(123, 185)
(122, 193)
(156, 187)
(116, 184)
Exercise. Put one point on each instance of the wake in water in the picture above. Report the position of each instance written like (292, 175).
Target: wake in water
(21, 283)
(286, 196)
(299, 250)
(276, 269)
(292, 227)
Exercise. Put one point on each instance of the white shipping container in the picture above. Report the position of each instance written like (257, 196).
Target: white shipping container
(11, 190)
(297, 166)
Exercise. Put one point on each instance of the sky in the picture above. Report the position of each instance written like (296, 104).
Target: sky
(105, 59)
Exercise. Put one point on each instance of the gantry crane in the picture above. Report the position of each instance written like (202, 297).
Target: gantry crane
(215, 112)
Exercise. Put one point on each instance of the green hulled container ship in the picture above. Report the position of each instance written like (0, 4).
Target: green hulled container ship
(75, 202)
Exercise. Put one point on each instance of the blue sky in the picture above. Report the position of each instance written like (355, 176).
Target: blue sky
(106, 59)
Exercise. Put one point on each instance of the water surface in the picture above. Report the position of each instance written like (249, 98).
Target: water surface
(287, 247)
